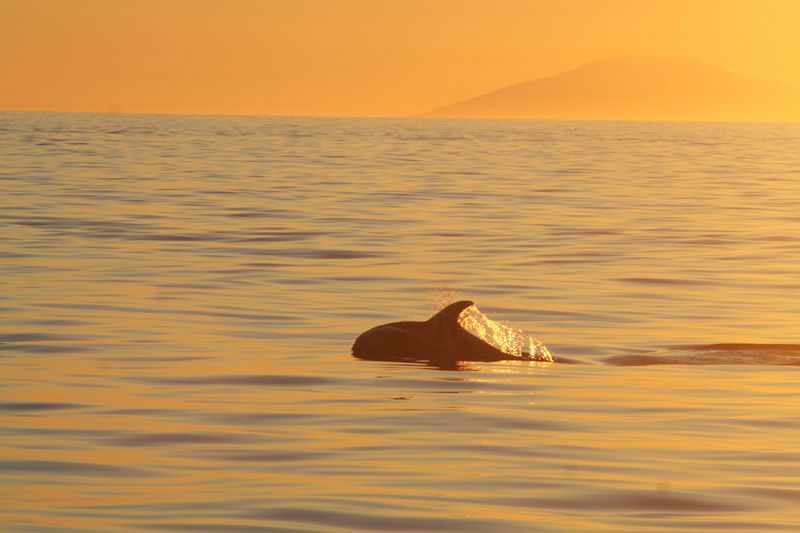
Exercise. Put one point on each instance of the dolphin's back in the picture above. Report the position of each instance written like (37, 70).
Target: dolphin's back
(440, 338)
(398, 339)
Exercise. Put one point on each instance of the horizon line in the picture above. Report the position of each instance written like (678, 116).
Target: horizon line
(401, 117)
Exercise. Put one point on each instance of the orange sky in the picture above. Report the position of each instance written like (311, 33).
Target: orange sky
(355, 57)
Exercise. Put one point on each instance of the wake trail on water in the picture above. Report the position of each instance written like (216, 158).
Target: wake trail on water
(522, 346)
(715, 354)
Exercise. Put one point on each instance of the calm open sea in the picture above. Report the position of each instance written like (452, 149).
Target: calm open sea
(178, 297)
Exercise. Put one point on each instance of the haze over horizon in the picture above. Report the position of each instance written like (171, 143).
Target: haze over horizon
(352, 58)
(636, 88)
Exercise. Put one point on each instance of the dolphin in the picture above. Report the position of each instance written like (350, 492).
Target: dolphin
(440, 340)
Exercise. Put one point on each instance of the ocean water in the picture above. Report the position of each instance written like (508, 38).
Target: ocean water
(178, 298)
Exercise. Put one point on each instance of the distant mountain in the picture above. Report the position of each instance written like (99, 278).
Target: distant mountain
(636, 88)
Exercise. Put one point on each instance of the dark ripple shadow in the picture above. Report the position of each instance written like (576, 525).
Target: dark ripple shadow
(638, 502)
(59, 322)
(665, 281)
(55, 434)
(150, 310)
(779, 423)
(169, 439)
(365, 522)
(448, 384)
(171, 238)
(217, 527)
(38, 406)
(61, 223)
(790, 495)
(142, 412)
(44, 349)
(259, 419)
(268, 380)
(397, 421)
(333, 254)
(718, 525)
(301, 254)
(157, 359)
(271, 456)
(279, 214)
(72, 469)
(33, 337)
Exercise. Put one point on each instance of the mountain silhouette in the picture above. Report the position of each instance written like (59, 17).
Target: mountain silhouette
(636, 88)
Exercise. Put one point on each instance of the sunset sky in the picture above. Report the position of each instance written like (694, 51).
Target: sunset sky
(355, 57)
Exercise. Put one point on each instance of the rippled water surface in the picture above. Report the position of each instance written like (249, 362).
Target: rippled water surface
(179, 296)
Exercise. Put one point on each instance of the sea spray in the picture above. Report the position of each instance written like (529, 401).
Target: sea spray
(440, 294)
(503, 337)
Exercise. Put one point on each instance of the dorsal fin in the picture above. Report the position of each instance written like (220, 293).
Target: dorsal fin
(450, 313)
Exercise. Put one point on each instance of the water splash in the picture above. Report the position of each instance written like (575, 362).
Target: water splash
(441, 294)
(503, 337)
